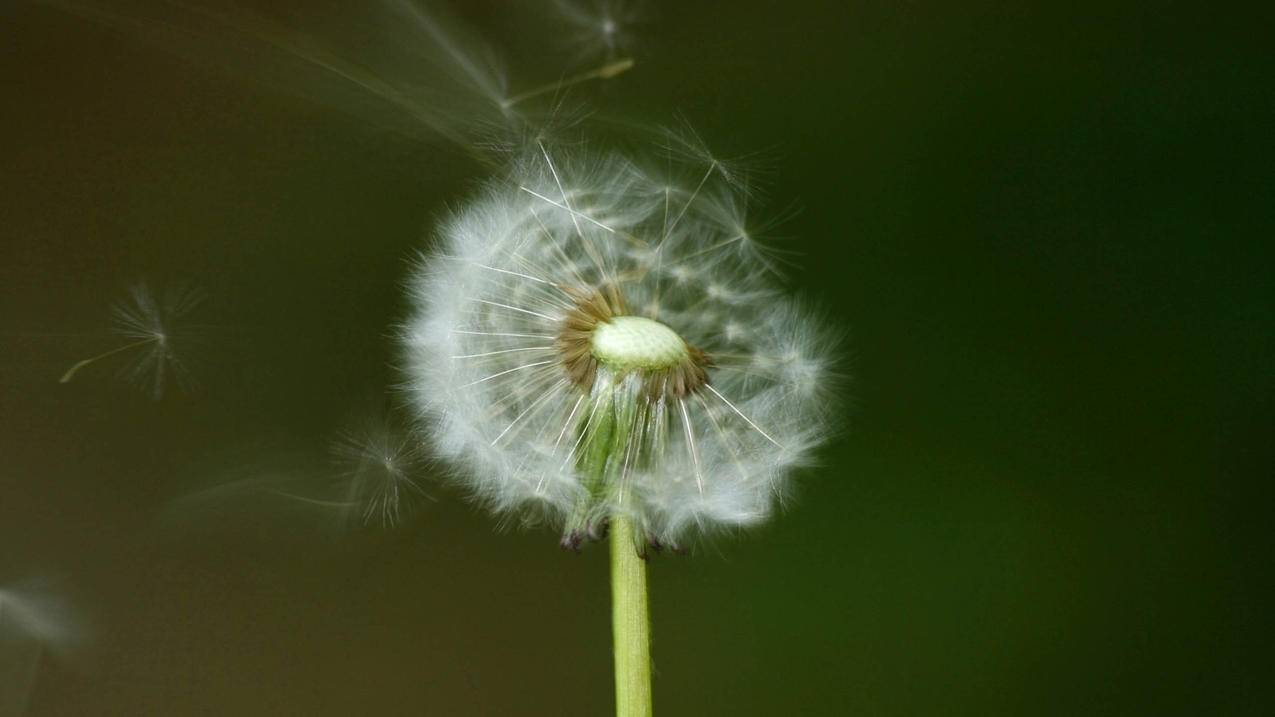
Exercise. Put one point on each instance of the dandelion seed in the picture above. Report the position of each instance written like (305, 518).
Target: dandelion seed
(155, 332)
(601, 28)
(605, 72)
(428, 76)
(380, 464)
(667, 392)
(41, 611)
(36, 619)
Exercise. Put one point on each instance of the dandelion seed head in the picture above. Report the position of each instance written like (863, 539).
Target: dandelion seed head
(588, 342)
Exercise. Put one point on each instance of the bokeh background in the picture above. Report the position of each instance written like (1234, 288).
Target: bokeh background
(1044, 227)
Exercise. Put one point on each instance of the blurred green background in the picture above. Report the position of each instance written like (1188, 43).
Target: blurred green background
(1046, 230)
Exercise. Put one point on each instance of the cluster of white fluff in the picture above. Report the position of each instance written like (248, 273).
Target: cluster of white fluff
(600, 28)
(379, 464)
(487, 378)
(155, 326)
(153, 329)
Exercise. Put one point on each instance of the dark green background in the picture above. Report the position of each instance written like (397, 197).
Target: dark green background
(1046, 231)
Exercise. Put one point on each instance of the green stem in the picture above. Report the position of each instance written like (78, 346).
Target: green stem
(630, 622)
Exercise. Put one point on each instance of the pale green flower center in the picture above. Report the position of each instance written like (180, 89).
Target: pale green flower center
(634, 342)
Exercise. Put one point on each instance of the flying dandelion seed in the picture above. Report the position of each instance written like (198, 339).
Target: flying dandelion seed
(35, 620)
(601, 28)
(380, 464)
(591, 342)
(371, 481)
(154, 332)
(427, 76)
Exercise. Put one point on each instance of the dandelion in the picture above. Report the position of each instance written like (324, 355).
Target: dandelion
(599, 348)
(153, 331)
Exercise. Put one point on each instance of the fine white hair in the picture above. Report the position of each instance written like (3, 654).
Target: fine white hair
(484, 368)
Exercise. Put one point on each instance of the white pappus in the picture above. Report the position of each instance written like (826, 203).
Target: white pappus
(592, 338)
(155, 330)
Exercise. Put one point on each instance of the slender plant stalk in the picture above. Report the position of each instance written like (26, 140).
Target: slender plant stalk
(630, 623)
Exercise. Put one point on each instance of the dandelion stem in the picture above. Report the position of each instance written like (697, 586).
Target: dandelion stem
(630, 622)
(70, 372)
